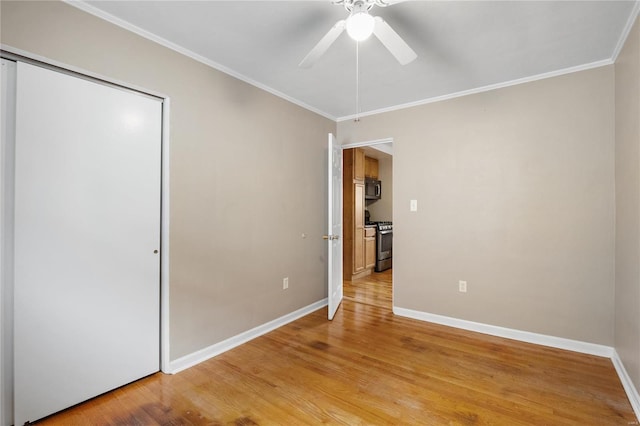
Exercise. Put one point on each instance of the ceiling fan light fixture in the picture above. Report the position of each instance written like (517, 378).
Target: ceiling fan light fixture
(360, 25)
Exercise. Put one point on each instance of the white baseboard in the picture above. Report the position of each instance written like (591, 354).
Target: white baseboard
(230, 343)
(523, 336)
(627, 384)
(538, 339)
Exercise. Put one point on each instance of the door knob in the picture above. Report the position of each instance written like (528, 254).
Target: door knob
(331, 237)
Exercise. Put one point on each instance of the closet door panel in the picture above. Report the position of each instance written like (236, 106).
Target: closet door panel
(87, 223)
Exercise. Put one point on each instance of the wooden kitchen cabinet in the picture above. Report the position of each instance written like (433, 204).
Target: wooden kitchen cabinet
(359, 164)
(353, 213)
(358, 236)
(371, 167)
(369, 247)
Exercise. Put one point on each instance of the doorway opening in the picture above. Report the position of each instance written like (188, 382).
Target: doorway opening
(368, 222)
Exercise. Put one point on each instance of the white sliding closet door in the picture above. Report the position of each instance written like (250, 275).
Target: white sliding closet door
(87, 225)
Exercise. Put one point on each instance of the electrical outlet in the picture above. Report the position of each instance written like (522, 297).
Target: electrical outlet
(285, 283)
(462, 286)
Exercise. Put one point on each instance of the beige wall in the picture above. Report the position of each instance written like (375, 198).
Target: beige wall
(515, 191)
(247, 175)
(627, 301)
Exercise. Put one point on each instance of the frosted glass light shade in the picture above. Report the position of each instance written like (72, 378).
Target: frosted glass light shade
(360, 25)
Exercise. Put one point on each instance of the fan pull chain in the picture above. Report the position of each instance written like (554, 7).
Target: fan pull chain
(357, 119)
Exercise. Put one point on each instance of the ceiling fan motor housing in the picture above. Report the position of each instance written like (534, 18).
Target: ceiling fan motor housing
(360, 25)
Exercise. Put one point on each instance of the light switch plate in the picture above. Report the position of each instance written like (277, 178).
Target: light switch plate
(413, 205)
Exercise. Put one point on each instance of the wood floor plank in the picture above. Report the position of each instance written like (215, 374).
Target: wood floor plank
(370, 367)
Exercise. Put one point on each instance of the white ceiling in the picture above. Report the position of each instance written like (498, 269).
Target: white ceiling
(462, 46)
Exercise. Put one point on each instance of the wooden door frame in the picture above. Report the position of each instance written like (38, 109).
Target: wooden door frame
(368, 143)
(375, 142)
(18, 55)
(6, 252)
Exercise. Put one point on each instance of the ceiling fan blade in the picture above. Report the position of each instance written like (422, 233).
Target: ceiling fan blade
(323, 45)
(385, 3)
(393, 42)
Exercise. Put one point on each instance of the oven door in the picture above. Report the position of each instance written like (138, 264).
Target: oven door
(385, 240)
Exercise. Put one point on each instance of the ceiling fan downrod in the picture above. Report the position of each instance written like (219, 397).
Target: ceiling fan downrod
(349, 4)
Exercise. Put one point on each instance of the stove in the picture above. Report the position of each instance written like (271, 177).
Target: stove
(384, 243)
(384, 226)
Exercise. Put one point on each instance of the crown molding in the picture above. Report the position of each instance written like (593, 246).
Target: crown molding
(85, 7)
(627, 29)
(480, 89)
(82, 5)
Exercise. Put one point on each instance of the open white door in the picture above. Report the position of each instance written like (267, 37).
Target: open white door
(334, 236)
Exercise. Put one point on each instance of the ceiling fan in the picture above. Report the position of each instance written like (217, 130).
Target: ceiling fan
(360, 25)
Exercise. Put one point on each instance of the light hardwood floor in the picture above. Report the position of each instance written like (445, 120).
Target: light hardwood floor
(368, 366)
(375, 289)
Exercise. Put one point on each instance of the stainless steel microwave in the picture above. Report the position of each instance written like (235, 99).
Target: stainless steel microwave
(372, 189)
